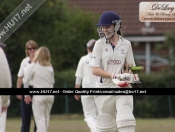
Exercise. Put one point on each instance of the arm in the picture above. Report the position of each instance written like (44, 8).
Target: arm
(20, 76)
(100, 72)
(77, 85)
(78, 82)
(28, 73)
(96, 61)
(19, 82)
(130, 57)
(5, 102)
(79, 75)
(19, 85)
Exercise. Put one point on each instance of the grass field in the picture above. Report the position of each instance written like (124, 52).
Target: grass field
(75, 123)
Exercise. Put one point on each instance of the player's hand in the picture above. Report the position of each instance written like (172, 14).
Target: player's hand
(19, 97)
(3, 109)
(123, 77)
(77, 97)
(119, 83)
(28, 99)
(136, 78)
(123, 84)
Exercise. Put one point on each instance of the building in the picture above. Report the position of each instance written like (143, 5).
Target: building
(144, 36)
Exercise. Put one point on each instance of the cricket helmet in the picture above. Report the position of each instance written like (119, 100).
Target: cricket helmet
(108, 18)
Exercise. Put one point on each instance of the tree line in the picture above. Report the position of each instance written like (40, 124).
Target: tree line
(54, 24)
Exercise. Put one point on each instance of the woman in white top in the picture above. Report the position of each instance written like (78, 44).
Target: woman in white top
(41, 73)
(26, 109)
(85, 78)
(110, 53)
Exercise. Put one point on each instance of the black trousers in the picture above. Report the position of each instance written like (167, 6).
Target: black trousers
(26, 113)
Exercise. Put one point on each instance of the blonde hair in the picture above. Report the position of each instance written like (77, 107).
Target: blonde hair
(31, 43)
(42, 56)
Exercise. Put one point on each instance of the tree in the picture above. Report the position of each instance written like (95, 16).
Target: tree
(63, 30)
(170, 43)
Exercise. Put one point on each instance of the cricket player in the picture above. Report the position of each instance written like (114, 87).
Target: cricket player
(5, 82)
(85, 78)
(110, 53)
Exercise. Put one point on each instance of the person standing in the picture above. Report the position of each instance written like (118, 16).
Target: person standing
(41, 73)
(110, 53)
(85, 78)
(26, 109)
(5, 82)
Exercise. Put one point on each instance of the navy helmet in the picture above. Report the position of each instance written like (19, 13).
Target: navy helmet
(108, 18)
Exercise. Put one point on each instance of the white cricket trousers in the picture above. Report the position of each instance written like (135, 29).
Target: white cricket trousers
(3, 117)
(90, 111)
(120, 107)
(111, 103)
(41, 106)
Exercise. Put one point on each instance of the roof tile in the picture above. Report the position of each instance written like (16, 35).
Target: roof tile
(128, 11)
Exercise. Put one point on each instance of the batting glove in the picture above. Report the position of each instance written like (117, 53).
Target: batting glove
(121, 77)
(115, 79)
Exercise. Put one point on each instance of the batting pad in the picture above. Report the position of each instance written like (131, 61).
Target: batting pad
(125, 117)
(91, 122)
(106, 123)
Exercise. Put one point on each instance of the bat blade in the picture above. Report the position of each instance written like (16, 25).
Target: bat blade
(137, 68)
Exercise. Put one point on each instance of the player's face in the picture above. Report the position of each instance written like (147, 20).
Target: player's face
(108, 31)
(31, 50)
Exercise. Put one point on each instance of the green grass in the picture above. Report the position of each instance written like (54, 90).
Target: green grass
(75, 123)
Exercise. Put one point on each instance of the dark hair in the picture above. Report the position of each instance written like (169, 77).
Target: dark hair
(91, 47)
(119, 32)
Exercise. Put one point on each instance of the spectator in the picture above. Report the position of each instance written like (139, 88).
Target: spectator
(26, 109)
(41, 73)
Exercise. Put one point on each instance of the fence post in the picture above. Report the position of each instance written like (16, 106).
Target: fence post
(170, 104)
(66, 100)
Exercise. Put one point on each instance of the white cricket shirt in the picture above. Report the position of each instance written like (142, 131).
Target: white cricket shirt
(24, 64)
(84, 71)
(21, 73)
(111, 61)
(41, 76)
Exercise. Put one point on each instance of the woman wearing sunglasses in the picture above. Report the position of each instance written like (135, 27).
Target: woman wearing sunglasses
(26, 109)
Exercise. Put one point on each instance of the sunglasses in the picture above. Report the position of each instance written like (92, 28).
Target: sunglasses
(31, 48)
